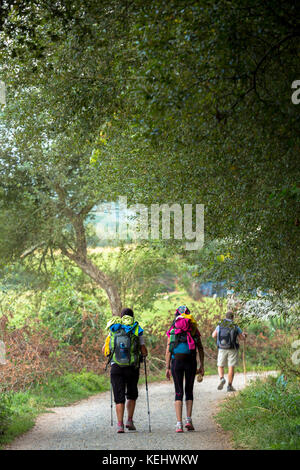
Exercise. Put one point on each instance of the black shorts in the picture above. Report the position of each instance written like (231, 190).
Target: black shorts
(124, 382)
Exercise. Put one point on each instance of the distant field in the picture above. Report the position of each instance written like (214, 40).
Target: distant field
(165, 306)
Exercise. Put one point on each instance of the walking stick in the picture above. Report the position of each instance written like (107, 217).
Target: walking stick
(111, 406)
(244, 362)
(147, 393)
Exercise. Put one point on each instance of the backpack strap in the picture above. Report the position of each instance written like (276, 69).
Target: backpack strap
(136, 330)
(172, 340)
(235, 335)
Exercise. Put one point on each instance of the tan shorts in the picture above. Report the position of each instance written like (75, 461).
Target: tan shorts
(227, 357)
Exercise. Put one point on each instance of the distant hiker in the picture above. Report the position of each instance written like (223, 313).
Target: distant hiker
(124, 346)
(184, 340)
(227, 335)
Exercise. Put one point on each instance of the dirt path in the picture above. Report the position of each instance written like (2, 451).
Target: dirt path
(86, 425)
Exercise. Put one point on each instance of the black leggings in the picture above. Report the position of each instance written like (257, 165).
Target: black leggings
(124, 382)
(184, 368)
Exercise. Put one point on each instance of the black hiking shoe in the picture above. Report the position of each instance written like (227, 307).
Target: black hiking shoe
(221, 384)
(230, 388)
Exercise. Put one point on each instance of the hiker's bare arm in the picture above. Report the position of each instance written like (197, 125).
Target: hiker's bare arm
(243, 336)
(201, 356)
(168, 361)
(144, 350)
(168, 355)
(215, 334)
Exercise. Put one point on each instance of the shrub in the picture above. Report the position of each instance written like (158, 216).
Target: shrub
(5, 412)
(266, 415)
(33, 355)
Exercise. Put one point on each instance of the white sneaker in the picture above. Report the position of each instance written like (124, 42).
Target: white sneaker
(179, 427)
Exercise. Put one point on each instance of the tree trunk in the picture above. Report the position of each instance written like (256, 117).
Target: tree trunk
(100, 278)
(79, 255)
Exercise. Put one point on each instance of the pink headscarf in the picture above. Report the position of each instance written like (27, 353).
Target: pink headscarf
(183, 325)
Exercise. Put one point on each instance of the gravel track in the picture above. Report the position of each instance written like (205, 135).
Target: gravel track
(86, 424)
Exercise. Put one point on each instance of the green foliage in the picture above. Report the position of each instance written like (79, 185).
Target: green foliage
(5, 412)
(280, 323)
(228, 125)
(288, 357)
(57, 110)
(164, 307)
(60, 391)
(72, 307)
(266, 415)
(61, 299)
(139, 271)
(160, 101)
(65, 306)
(21, 408)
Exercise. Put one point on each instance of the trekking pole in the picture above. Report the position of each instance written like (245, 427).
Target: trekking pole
(244, 362)
(147, 393)
(111, 406)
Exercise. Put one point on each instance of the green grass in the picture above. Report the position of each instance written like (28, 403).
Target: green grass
(58, 391)
(157, 377)
(264, 416)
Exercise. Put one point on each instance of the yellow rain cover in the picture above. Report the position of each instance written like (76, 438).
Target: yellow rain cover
(126, 320)
(106, 347)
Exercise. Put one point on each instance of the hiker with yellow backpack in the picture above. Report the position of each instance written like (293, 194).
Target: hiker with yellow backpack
(184, 340)
(124, 347)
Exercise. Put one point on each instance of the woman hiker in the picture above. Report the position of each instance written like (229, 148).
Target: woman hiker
(184, 340)
(124, 346)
